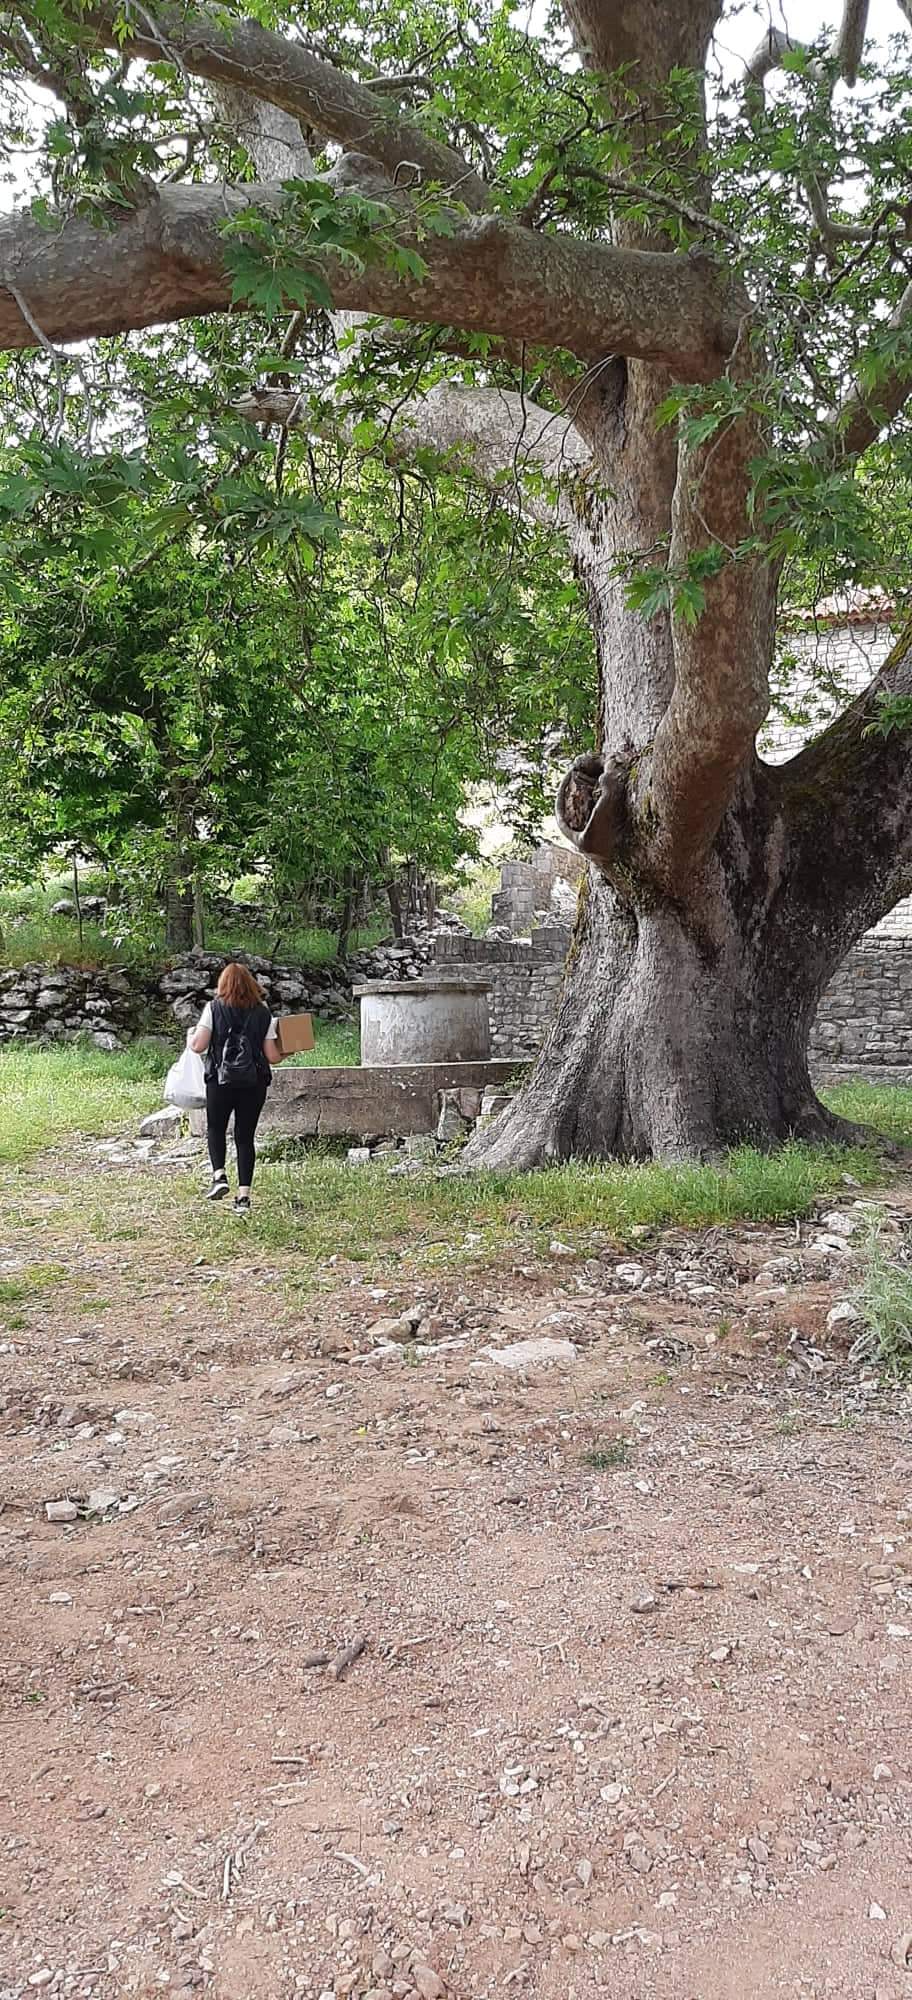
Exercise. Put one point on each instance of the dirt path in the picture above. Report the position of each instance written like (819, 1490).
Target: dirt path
(633, 1713)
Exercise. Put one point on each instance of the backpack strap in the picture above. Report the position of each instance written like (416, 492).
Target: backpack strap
(217, 1037)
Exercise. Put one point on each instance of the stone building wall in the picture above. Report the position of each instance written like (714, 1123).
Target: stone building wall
(524, 980)
(865, 1017)
(528, 888)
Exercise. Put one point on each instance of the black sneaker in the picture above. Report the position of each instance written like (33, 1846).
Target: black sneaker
(242, 1204)
(218, 1188)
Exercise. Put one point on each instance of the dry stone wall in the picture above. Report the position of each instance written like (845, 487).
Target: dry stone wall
(60, 1002)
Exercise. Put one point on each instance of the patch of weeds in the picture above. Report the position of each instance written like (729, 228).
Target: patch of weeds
(289, 1149)
(662, 1379)
(884, 1300)
(410, 1355)
(94, 1305)
(33, 1278)
(724, 1327)
(35, 1697)
(791, 1425)
(608, 1458)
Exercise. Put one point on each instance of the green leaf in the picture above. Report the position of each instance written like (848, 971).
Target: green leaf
(18, 493)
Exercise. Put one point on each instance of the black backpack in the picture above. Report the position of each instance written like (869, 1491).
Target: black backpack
(238, 1059)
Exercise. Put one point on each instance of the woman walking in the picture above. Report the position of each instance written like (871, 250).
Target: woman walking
(240, 1040)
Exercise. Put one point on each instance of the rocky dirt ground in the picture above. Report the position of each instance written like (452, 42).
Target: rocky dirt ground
(632, 1711)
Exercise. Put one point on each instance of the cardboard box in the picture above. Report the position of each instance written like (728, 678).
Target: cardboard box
(296, 1034)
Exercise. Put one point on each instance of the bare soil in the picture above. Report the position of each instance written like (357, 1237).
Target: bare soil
(632, 1716)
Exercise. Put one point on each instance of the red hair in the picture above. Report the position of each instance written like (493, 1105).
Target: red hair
(238, 988)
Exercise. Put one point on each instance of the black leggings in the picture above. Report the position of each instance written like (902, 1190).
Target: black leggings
(246, 1104)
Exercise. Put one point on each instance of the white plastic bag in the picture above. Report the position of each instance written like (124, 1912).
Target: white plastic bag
(185, 1083)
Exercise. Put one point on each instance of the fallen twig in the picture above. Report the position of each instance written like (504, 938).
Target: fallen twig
(177, 1881)
(339, 1854)
(338, 1663)
(346, 1658)
(226, 1879)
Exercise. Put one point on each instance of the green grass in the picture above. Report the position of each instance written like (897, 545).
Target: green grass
(321, 1206)
(304, 944)
(608, 1458)
(47, 1093)
(316, 1206)
(471, 898)
(33, 1278)
(29, 935)
(338, 1045)
(886, 1106)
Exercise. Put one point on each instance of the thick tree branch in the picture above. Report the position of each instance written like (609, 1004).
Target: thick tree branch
(866, 412)
(775, 43)
(289, 75)
(495, 435)
(721, 691)
(501, 432)
(845, 51)
(166, 261)
(846, 802)
(848, 47)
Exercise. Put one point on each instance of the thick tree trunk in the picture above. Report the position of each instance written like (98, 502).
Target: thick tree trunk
(665, 1046)
(682, 1029)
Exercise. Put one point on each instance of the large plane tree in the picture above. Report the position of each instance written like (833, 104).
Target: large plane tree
(656, 294)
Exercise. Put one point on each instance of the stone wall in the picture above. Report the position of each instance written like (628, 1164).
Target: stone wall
(191, 981)
(524, 980)
(310, 989)
(532, 889)
(865, 1018)
(63, 1001)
